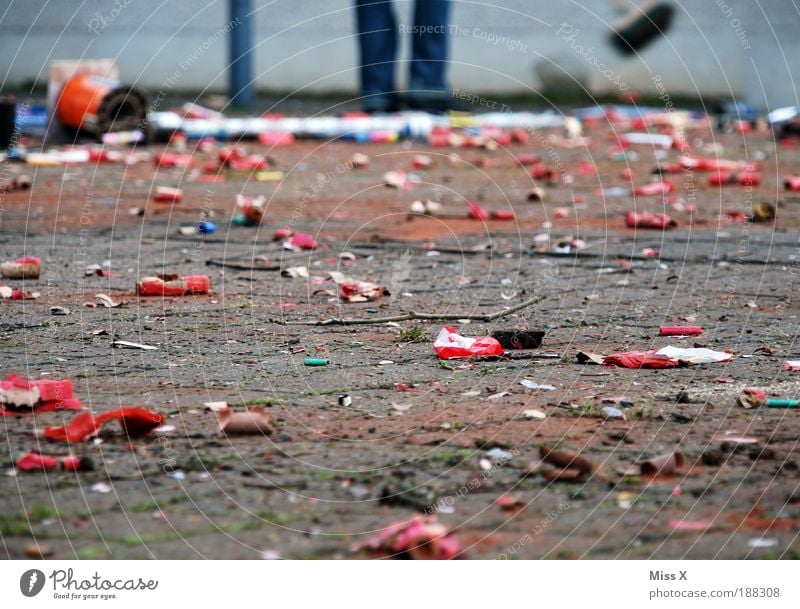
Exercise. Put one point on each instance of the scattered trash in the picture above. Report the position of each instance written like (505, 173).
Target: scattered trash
(519, 339)
(135, 421)
(427, 207)
(647, 219)
(22, 396)
(667, 357)
(59, 311)
(361, 291)
(589, 358)
(107, 301)
(315, 361)
(680, 331)
(510, 503)
(345, 400)
(359, 160)
(252, 210)
(421, 538)
(570, 466)
(216, 406)
(531, 385)
(295, 272)
(792, 365)
(763, 212)
(254, 420)
(751, 397)
(126, 344)
(449, 345)
(782, 403)
(534, 414)
(762, 542)
(99, 104)
(28, 267)
(613, 413)
(34, 461)
(16, 294)
(663, 465)
(173, 285)
(165, 194)
(690, 525)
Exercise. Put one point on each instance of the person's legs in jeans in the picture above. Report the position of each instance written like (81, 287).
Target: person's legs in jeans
(377, 42)
(427, 86)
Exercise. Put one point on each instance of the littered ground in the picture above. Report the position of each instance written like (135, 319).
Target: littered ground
(331, 476)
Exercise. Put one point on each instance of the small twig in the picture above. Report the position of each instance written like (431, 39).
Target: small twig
(242, 267)
(412, 316)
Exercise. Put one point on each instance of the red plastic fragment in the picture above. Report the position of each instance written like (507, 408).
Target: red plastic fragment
(136, 421)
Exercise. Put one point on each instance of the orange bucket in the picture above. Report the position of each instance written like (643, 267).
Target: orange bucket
(91, 102)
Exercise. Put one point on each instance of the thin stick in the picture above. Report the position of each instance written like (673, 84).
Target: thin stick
(333, 321)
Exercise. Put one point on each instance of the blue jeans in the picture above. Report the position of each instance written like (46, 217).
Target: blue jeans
(377, 41)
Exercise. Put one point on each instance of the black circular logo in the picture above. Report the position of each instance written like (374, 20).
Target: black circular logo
(31, 582)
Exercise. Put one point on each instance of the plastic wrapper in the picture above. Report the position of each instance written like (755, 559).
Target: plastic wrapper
(667, 357)
(449, 345)
(421, 538)
(135, 421)
(361, 291)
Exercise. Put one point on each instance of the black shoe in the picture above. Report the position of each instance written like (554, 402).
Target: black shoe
(382, 106)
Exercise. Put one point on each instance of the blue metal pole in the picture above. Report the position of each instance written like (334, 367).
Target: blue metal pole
(240, 67)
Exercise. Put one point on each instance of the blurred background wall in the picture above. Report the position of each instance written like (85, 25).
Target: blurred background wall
(741, 48)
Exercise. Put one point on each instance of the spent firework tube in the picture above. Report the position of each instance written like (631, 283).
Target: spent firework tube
(792, 183)
(28, 267)
(680, 331)
(165, 194)
(782, 403)
(173, 285)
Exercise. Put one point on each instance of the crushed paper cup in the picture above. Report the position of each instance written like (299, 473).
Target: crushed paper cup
(751, 397)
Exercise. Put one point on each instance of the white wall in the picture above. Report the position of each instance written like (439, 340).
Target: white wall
(309, 45)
